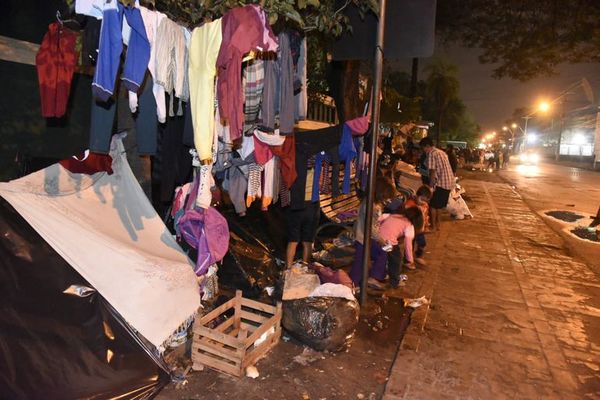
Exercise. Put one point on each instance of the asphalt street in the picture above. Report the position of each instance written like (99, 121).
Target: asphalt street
(551, 186)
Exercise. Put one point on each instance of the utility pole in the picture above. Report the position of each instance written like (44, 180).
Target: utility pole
(526, 118)
(377, 71)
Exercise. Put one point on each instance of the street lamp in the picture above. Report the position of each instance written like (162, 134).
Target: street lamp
(544, 106)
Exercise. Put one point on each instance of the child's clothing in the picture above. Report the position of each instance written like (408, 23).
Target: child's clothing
(398, 226)
(378, 256)
(391, 229)
(420, 241)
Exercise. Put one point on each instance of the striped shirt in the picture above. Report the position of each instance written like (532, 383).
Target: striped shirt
(438, 161)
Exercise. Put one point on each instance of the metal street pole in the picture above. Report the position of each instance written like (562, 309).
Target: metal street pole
(378, 67)
(526, 118)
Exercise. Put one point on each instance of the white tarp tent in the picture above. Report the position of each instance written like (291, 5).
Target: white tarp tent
(107, 230)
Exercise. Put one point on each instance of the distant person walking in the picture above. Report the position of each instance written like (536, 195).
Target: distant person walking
(441, 179)
(452, 158)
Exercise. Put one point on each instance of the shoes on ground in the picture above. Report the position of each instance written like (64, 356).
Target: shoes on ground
(410, 266)
(420, 261)
(375, 284)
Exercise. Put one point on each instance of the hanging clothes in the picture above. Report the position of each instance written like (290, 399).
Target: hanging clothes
(171, 57)
(103, 122)
(138, 51)
(278, 93)
(267, 145)
(111, 47)
(307, 144)
(55, 63)
(243, 30)
(109, 51)
(152, 20)
(301, 84)
(204, 50)
(90, 40)
(92, 8)
(347, 153)
(236, 182)
(254, 76)
(254, 183)
(269, 187)
(322, 159)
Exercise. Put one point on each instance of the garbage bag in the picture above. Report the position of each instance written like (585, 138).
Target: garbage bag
(323, 323)
(248, 267)
(458, 208)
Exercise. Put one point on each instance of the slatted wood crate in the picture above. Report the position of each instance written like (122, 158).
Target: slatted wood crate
(231, 346)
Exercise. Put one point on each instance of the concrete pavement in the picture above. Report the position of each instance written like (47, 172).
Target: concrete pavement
(513, 315)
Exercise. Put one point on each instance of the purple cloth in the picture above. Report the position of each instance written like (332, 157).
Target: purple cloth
(378, 262)
(208, 232)
(328, 275)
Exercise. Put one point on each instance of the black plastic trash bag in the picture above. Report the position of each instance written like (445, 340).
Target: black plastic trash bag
(323, 323)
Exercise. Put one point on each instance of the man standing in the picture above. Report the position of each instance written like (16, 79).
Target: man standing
(441, 179)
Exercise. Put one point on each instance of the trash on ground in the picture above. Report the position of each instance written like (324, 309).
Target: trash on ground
(416, 303)
(307, 356)
(252, 372)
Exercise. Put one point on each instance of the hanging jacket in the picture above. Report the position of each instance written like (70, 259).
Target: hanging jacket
(109, 51)
(138, 51)
(243, 30)
(55, 62)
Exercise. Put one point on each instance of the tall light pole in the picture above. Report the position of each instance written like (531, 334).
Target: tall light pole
(377, 73)
(526, 118)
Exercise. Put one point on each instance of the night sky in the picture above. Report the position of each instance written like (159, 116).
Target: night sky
(492, 101)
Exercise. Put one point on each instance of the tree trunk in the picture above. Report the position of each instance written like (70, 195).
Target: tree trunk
(352, 106)
(414, 78)
(439, 130)
(343, 82)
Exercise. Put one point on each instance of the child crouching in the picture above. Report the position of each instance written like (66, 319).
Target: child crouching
(402, 224)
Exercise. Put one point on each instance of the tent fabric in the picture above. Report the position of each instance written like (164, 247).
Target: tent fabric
(106, 229)
(56, 345)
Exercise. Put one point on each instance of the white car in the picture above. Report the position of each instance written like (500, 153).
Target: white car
(529, 157)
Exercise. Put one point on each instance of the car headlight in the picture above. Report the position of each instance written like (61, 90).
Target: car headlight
(534, 158)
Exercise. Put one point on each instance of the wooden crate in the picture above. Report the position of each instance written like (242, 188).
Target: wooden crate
(229, 347)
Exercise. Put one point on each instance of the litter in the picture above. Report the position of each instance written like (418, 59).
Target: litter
(252, 372)
(416, 303)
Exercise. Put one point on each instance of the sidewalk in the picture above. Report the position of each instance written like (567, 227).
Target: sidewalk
(513, 316)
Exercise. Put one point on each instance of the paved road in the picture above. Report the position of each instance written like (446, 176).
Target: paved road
(551, 186)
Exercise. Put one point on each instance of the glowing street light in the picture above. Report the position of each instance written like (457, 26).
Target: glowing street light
(514, 126)
(544, 106)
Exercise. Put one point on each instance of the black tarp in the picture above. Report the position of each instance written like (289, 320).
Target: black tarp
(257, 241)
(59, 346)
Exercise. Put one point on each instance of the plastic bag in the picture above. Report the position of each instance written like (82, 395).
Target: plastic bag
(323, 323)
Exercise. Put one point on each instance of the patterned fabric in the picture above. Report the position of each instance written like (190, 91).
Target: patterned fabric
(171, 55)
(254, 77)
(438, 161)
(55, 62)
(254, 183)
(284, 193)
